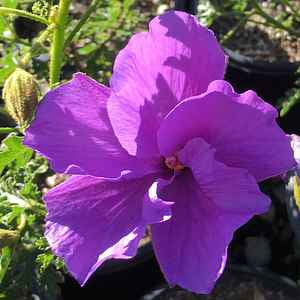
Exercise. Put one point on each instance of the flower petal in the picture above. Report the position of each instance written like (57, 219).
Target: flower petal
(94, 219)
(249, 97)
(177, 58)
(210, 203)
(242, 129)
(295, 144)
(73, 131)
(234, 190)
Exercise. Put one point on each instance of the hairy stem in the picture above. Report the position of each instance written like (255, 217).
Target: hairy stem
(22, 13)
(57, 48)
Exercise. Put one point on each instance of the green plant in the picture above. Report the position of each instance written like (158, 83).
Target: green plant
(240, 12)
(71, 36)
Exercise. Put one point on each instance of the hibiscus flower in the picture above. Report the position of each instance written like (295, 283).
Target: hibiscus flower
(169, 145)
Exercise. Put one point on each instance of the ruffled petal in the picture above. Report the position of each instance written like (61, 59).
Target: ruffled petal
(211, 201)
(177, 58)
(242, 128)
(72, 130)
(94, 219)
(249, 98)
(234, 190)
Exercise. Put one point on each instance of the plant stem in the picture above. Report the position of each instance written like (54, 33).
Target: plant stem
(271, 20)
(233, 31)
(57, 49)
(5, 130)
(82, 21)
(295, 99)
(22, 13)
(22, 224)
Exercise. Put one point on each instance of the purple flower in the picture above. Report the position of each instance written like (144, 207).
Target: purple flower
(169, 145)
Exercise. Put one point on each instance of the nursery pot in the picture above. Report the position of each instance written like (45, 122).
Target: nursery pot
(118, 279)
(269, 80)
(237, 283)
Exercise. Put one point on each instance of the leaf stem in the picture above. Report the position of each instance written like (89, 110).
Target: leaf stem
(57, 49)
(82, 21)
(22, 223)
(294, 100)
(22, 13)
(5, 130)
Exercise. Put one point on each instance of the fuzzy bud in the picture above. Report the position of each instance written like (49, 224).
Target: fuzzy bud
(20, 94)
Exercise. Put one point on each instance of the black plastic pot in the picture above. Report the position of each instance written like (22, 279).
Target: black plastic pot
(118, 279)
(189, 6)
(259, 279)
(269, 80)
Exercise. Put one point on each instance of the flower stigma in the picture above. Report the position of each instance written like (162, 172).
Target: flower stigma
(173, 163)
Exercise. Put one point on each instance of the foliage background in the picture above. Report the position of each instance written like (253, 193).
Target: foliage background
(27, 266)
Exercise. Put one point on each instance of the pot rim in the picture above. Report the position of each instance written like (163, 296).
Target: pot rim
(250, 64)
(261, 273)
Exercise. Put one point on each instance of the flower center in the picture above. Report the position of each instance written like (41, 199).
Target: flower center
(173, 163)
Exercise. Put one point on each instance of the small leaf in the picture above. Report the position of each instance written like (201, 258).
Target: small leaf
(87, 49)
(2, 25)
(5, 259)
(8, 64)
(13, 199)
(44, 260)
(11, 150)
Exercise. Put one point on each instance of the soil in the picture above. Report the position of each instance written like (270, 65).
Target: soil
(261, 42)
(235, 286)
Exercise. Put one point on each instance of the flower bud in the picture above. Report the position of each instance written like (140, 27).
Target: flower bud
(20, 94)
(8, 237)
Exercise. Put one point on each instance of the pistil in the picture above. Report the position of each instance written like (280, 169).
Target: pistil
(173, 163)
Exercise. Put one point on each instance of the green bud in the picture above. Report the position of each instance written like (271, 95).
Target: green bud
(20, 94)
(53, 14)
(8, 237)
(40, 7)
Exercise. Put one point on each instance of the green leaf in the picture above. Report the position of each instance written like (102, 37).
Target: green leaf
(5, 259)
(2, 25)
(127, 4)
(44, 260)
(11, 150)
(5, 130)
(10, 3)
(88, 49)
(7, 65)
